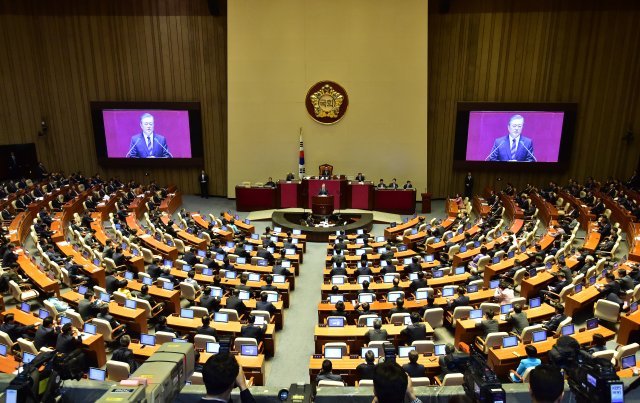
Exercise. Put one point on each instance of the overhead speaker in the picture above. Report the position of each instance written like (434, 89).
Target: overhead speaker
(217, 8)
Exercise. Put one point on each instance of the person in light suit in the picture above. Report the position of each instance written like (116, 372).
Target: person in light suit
(514, 146)
(148, 144)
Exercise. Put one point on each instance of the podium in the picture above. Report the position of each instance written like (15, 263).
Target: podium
(288, 193)
(322, 205)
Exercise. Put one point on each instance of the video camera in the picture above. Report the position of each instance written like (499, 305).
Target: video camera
(595, 380)
(480, 382)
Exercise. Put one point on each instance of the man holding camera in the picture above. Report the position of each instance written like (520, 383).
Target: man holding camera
(221, 374)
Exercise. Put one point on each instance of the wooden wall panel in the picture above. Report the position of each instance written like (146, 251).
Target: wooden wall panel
(537, 51)
(58, 56)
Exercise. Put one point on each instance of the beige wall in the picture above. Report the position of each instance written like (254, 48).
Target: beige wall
(376, 49)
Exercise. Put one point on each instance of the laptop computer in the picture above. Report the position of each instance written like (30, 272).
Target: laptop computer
(147, 339)
(534, 302)
(131, 304)
(335, 298)
(186, 313)
(335, 322)
(212, 347)
(628, 362)
(220, 317)
(439, 349)
(509, 341)
(403, 351)
(568, 330)
(540, 335)
(592, 323)
(448, 291)
(333, 353)
(364, 351)
(97, 374)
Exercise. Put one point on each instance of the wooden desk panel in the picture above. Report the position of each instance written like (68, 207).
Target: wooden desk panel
(39, 278)
(629, 325)
(355, 336)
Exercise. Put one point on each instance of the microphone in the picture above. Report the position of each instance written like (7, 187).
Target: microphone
(132, 147)
(494, 149)
(163, 147)
(530, 153)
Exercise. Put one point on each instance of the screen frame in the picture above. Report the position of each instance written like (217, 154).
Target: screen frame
(464, 109)
(195, 131)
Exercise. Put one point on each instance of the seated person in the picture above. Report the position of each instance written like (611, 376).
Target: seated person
(599, 343)
(105, 315)
(205, 329)
(252, 330)
(399, 308)
(269, 284)
(264, 305)
(453, 361)
(414, 331)
(144, 295)
(517, 319)
(326, 373)
(367, 368)
(270, 183)
(46, 335)
(531, 361)
(220, 374)
(503, 294)
(546, 384)
(412, 368)
(377, 333)
(68, 340)
(362, 309)
(381, 184)
(488, 324)
(234, 302)
(161, 326)
(125, 354)
(553, 323)
(418, 283)
(340, 311)
(461, 300)
(15, 330)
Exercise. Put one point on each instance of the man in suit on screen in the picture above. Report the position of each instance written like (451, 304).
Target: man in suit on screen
(514, 146)
(148, 144)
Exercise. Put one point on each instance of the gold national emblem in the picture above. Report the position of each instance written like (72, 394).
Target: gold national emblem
(327, 102)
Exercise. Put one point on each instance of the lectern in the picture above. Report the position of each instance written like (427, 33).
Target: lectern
(322, 205)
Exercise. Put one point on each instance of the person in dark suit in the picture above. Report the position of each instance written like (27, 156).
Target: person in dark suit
(366, 369)
(407, 185)
(88, 307)
(488, 324)
(269, 284)
(13, 166)
(323, 190)
(125, 354)
(415, 331)
(161, 326)
(325, 174)
(211, 303)
(252, 330)
(625, 281)
(452, 362)
(414, 266)
(393, 184)
(412, 368)
(360, 177)
(381, 185)
(203, 178)
(338, 270)
(461, 300)
(46, 335)
(326, 374)
(611, 287)
(111, 283)
(118, 257)
(14, 330)
(290, 177)
(399, 308)
(599, 207)
(154, 269)
(10, 258)
(106, 315)
(205, 329)
(517, 319)
(68, 340)
(340, 310)
(377, 333)
(190, 258)
(234, 302)
(264, 305)
(604, 227)
(514, 146)
(468, 186)
(418, 283)
(553, 323)
(148, 144)
(144, 295)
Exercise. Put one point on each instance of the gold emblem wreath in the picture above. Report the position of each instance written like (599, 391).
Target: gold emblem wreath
(326, 102)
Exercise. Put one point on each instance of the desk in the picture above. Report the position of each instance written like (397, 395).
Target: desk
(356, 337)
(399, 229)
(347, 367)
(95, 272)
(255, 198)
(289, 194)
(171, 298)
(241, 225)
(190, 239)
(335, 187)
(360, 195)
(8, 364)
(203, 223)
(398, 201)
(629, 326)
(546, 211)
(40, 280)
(93, 346)
(135, 261)
(190, 325)
(480, 206)
(466, 330)
(20, 226)
(322, 205)
(171, 203)
(501, 360)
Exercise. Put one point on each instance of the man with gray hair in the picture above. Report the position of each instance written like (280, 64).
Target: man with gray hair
(148, 144)
(513, 147)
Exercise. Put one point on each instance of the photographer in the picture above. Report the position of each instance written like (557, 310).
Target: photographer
(391, 384)
(221, 374)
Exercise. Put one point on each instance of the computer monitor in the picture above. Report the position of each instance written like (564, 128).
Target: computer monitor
(383, 263)
(335, 322)
(493, 284)
(437, 273)
(511, 254)
(379, 239)
(365, 350)
(43, 313)
(476, 244)
(592, 323)
(523, 248)
(128, 275)
(255, 236)
(577, 288)
(628, 361)
(371, 320)
(97, 374)
(89, 328)
(64, 320)
(186, 268)
(220, 317)
(439, 349)
(335, 298)
(259, 321)
(403, 351)
(168, 263)
(394, 295)
(363, 278)
(366, 297)
(472, 288)
(429, 258)
(407, 260)
(278, 279)
(333, 353)
(289, 251)
(463, 248)
(296, 232)
(219, 256)
(147, 280)
(337, 280)
(216, 292)
(402, 248)
(207, 272)
(506, 308)
(147, 339)
(105, 297)
(592, 280)
(186, 313)
(82, 290)
(509, 341)
(533, 272)
(568, 330)
(388, 278)
(422, 294)
(3, 350)
(244, 295)
(286, 264)
(96, 262)
(633, 307)
(25, 307)
(248, 248)
(534, 302)
(496, 259)
(27, 357)
(241, 260)
(448, 291)
(253, 277)
(459, 270)
(212, 347)
(273, 298)
(539, 335)
(475, 314)
(167, 285)
(131, 304)
(414, 231)
(230, 244)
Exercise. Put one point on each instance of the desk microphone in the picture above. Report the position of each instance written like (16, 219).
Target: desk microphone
(530, 153)
(494, 149)
(132, 147)
(163, 147)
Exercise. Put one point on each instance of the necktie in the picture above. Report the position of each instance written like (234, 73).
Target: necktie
(513, 149)
(149, 145)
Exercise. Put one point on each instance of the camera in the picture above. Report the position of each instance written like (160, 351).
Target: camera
(480, 382)
(595, 380)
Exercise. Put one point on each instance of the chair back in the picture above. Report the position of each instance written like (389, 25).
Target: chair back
(434, 317)
(527, 332)
(606, 310)
(199, 311)
(265, 314)
(421, 381)
(187, 291)
(623, 351)
(27, 346)
(330, 383)
(398, 318)
(243, 341)
(565, 322)
(362, 320)
(117, 371)
(453, 380)
(460, 312)
(490, 306)
(76, 319)
(103, 327)
(338, 344)
(5, 339)
(164, 337)
(365, 383)
(379, 345)
(424, 346)
(200, 341)
(232, 314)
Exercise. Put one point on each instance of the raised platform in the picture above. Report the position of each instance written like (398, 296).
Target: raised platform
(378, 216)
(289, 220)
